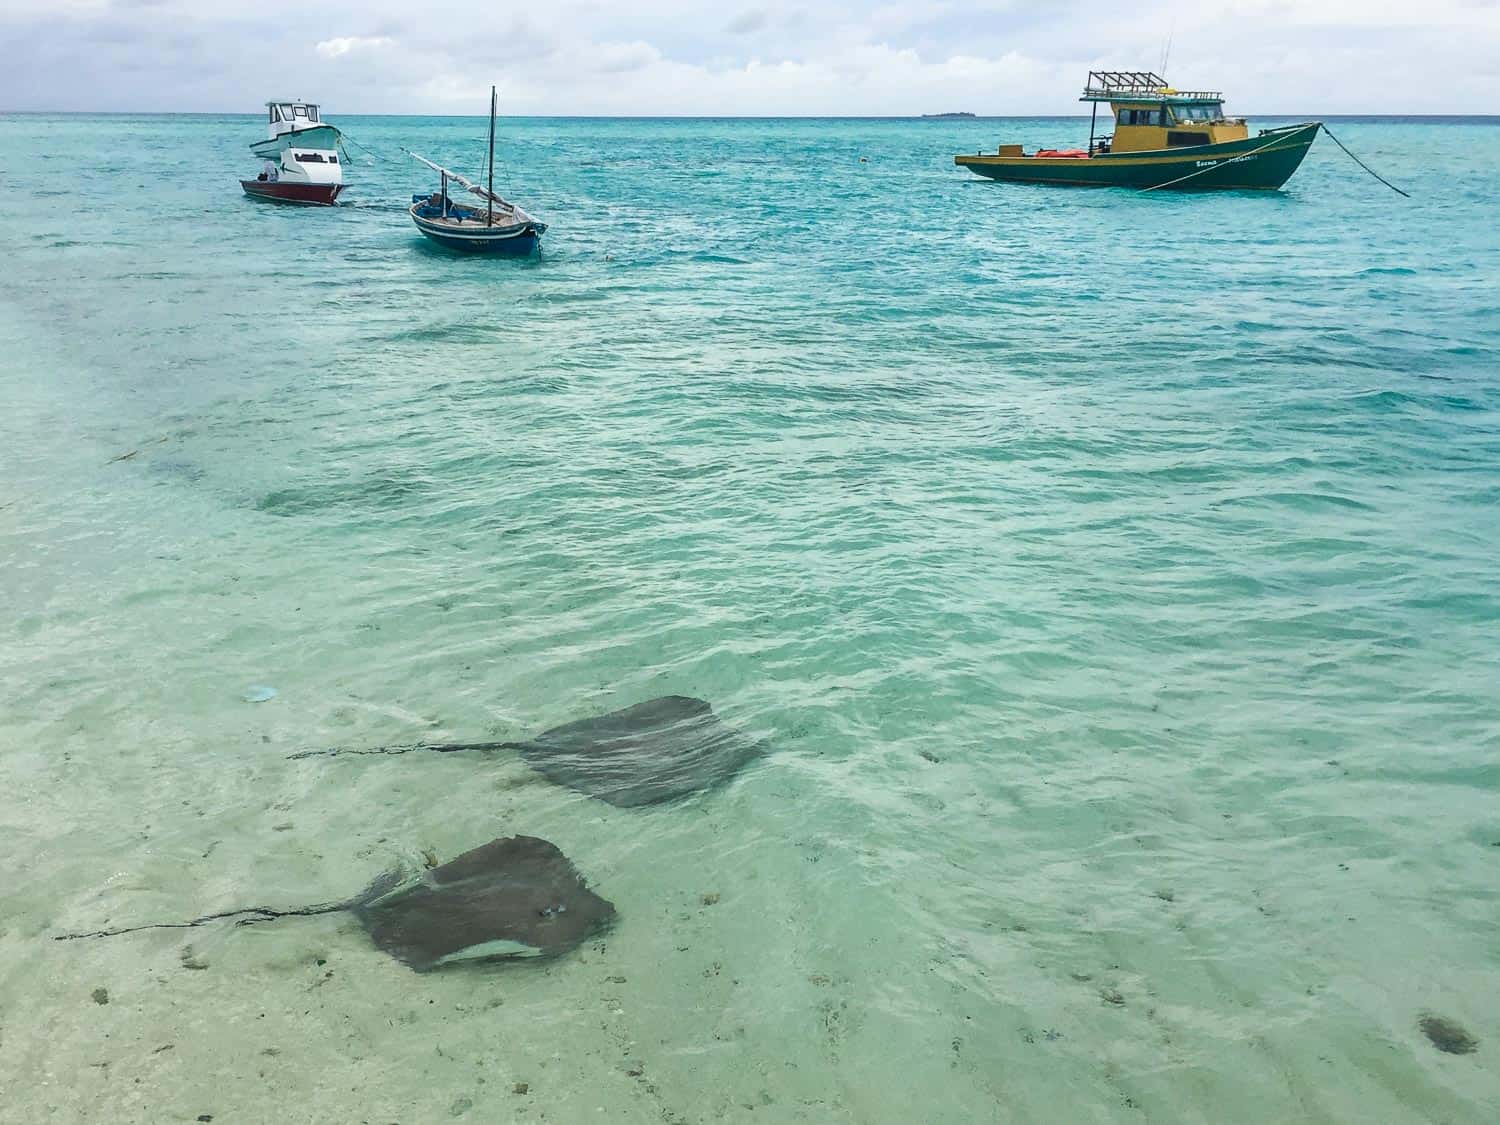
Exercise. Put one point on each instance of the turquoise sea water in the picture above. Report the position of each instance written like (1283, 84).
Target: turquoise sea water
(1113, 578)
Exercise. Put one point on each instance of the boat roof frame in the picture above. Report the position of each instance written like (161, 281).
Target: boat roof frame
(1140, 86)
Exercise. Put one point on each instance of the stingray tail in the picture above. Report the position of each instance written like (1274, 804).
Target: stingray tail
(248, 916)
(435, 747)
(379, 887)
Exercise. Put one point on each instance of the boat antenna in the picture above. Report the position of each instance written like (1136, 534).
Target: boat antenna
(1166, 51)
(490, 216)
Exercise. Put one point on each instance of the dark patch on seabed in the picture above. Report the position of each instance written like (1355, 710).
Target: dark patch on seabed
(1447, 1036)
(374, 493)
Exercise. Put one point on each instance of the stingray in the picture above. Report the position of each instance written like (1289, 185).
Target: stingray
(656, 751)
(516, 897)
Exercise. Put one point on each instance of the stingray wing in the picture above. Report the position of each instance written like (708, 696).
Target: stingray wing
(656, 751)
(518, 896)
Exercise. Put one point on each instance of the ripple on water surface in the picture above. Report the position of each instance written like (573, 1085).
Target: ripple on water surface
(1117, 611)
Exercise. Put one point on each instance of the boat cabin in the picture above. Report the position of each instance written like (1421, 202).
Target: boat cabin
(1149, 115)
(303, 166)
(289, 117)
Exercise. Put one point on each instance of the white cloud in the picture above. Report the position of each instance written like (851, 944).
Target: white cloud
(334, 48)
(760, 57)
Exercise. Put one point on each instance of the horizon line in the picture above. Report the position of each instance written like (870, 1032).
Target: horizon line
(951, 115)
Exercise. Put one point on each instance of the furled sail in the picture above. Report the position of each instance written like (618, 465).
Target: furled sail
(500, 204)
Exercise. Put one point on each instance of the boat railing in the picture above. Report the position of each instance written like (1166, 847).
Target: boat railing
(1105, 85)
(1166, 94)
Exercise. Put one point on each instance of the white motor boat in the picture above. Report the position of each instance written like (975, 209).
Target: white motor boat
(300, 175)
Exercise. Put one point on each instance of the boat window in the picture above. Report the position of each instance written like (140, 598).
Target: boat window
(274, 115)
(285, 109)
(1213, 112)
(312, 113)
(1141, 117)
(299, 110)
(333, 160)
(310, 158)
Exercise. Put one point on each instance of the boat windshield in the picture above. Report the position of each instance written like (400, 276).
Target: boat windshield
(286, 111)
(312, 113)
(1214, 112)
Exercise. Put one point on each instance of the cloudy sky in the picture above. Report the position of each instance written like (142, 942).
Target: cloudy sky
(756, 57)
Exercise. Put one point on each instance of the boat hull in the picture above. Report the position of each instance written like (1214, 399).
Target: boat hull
(320, 137)
(280, 191)
(519, 240)
(1261, 163)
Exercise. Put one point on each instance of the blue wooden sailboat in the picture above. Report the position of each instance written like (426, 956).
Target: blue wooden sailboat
(498, 227)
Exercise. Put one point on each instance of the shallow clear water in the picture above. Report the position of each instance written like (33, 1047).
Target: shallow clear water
(1113, 577)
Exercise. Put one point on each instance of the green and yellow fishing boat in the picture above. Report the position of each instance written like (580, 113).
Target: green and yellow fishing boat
(1162, 138)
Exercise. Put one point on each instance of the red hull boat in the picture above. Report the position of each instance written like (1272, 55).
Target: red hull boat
(280, 191)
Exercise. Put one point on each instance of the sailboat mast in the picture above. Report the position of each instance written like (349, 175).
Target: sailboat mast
(490, 217)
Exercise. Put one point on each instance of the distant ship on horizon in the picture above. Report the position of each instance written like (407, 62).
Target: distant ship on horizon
(945, 116)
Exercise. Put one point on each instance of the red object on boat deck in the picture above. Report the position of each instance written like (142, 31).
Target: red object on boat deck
(1071, 153)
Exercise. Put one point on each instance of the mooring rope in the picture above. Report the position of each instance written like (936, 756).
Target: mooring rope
(1362, 164)
(370, 151)
(1279, 136)
(1215, 165)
